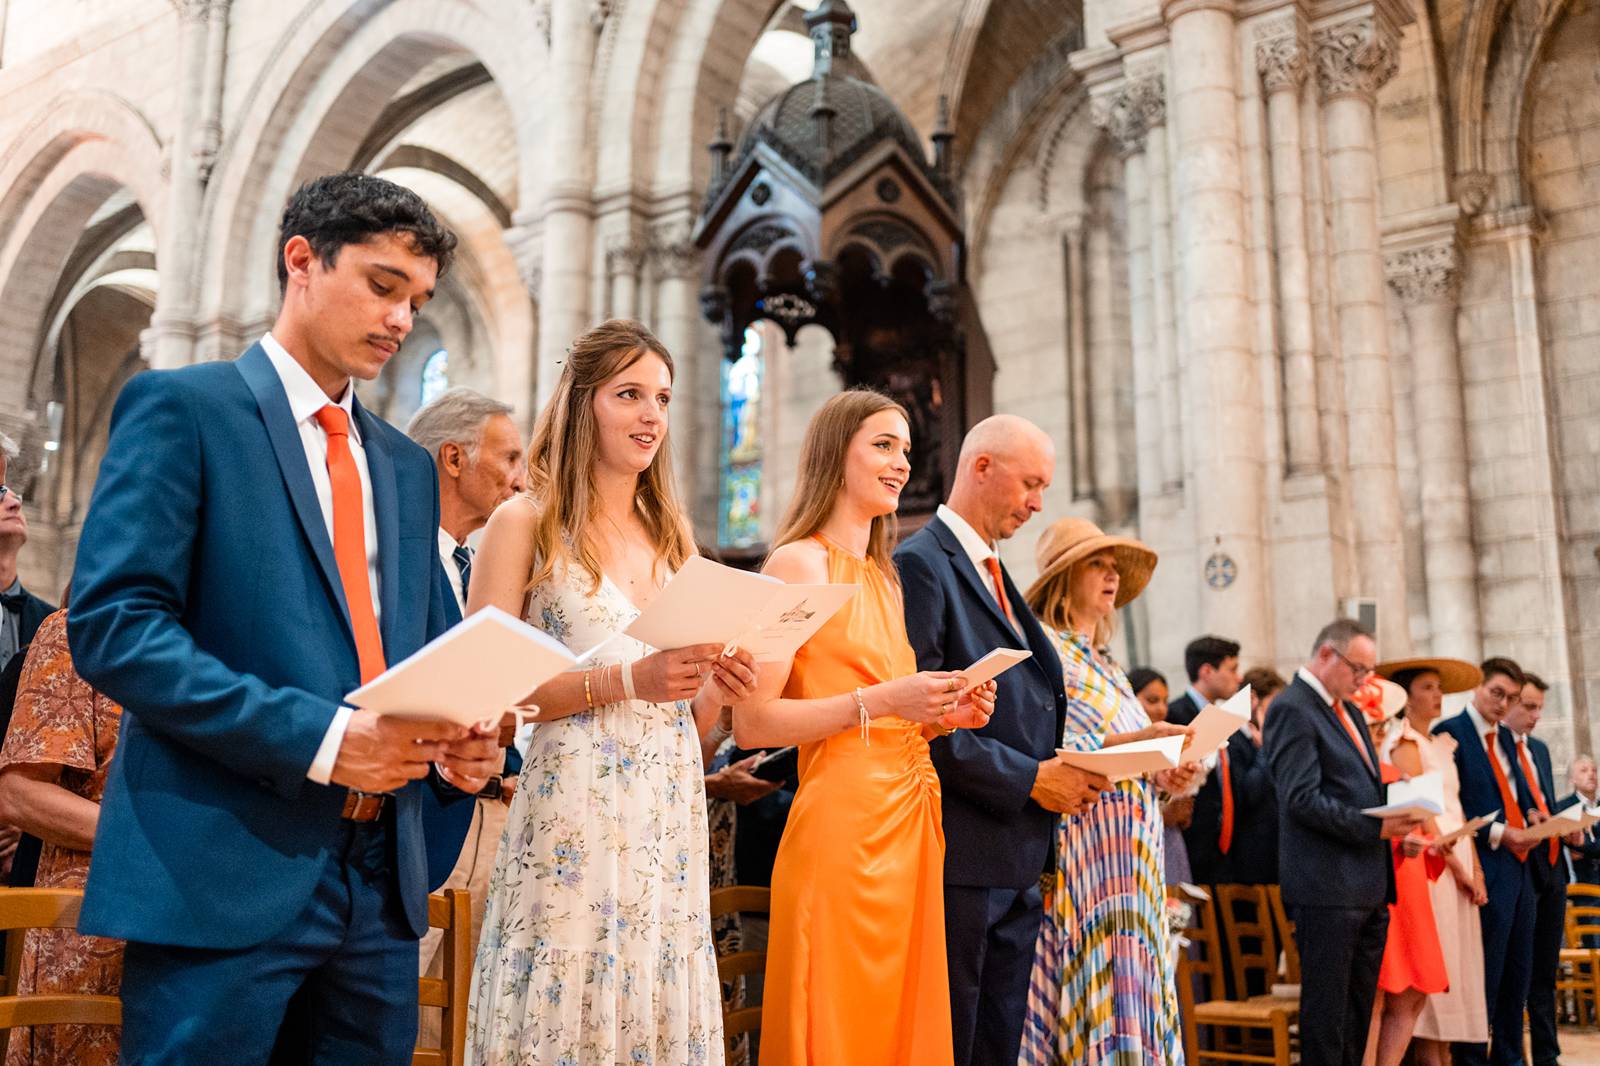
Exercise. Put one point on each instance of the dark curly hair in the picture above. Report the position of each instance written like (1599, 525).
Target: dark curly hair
(339, 209)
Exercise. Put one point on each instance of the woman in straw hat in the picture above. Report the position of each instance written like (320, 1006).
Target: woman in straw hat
(1102, 987)
(1411, 1006)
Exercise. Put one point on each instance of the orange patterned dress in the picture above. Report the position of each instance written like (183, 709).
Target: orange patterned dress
(60, 720)
(856, 972)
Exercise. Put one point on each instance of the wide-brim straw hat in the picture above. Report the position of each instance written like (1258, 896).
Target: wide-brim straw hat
(1071, 539)
(1455, 675)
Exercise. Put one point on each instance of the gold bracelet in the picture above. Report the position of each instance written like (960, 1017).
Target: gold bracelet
(588, 692)
(861, 709)
(944, 730)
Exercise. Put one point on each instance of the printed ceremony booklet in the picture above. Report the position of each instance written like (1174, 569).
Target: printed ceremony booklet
(1559, 825)
(470, 674)
(1422, 796)
(1129, 760)
(1471, 826)
(993, 665)
(708, 603)
(1216, 722)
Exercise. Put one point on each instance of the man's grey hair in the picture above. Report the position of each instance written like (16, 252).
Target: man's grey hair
(9, 448)
(1580, 760)
(1339, 633)
(455, 416)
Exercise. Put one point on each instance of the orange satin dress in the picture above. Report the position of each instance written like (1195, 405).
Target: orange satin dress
(856, 972)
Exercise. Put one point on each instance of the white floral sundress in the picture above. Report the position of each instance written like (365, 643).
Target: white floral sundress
(596, 944)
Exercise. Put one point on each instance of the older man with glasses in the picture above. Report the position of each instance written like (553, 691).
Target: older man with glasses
(1492, 782)
(1337, 877)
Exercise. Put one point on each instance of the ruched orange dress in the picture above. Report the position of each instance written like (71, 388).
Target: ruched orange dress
(856, 972)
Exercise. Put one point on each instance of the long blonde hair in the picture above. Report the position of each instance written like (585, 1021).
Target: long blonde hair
(821, 480)
(564, 450)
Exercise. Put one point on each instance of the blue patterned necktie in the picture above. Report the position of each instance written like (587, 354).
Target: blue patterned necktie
(463, 557)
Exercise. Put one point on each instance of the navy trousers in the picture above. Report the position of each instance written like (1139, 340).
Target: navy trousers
(1341, 950)
(1508, 922)
(1549, 931)
(338, 986)
(990, 935)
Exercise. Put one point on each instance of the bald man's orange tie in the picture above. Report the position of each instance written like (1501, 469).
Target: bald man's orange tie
(350, 540)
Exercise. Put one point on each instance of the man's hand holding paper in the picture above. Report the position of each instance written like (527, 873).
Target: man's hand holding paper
(1215, 723)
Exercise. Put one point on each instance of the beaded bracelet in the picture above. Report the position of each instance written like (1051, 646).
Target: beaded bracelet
(861, 709)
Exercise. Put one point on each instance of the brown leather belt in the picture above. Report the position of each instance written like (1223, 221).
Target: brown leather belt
(362, 806)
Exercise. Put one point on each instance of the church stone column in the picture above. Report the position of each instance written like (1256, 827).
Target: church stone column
(1354, 59)
(1425, 278)
(1281, 62)
(624, 260)
(1224, 408)
(568, 223)
(697, 381)
(1153, 101)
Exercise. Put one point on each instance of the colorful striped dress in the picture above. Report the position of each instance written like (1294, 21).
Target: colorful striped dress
(1102, 989)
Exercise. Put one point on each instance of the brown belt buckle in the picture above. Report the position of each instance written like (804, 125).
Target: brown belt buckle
(362, 806)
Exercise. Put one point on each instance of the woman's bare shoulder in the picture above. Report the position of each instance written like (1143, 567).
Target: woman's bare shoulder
(798, 562)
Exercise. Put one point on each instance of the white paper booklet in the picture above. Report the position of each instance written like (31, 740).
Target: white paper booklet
(1471, 826)
(993, 665)
(1559, 825)
(1216, 722)
(470, 674)
(1129, 760)
(1422, 796)
(708, 603)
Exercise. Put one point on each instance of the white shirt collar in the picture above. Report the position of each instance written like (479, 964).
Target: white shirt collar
(976, 548)
(1200, 702)
(1479, 722)
(1316, 686)
(447, 543)
(306, 397)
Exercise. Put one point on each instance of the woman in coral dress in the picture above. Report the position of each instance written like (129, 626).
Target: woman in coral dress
(856, 972)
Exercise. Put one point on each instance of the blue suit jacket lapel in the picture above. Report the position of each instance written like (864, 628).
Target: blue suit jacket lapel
(258, 374)
(967, 574)
(386, 507)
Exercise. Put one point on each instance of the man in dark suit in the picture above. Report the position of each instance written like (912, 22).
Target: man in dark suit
(1492, 782)
(1548, 869)
(1004, 787)
(1338, 877)
(257, 546)
(20, 614)
(1584, 858)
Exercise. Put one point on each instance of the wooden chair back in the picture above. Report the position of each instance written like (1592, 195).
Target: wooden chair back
(1583, 914)
(48, 908)
(1286, 941)
(739, 1016)
(1247, 924)
(451, 911)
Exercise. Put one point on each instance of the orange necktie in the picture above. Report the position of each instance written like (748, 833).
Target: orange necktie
(993, 564)
(1355, 738)
(350, 540)
(1507, 799)
(1538, 796)
(1225, 838)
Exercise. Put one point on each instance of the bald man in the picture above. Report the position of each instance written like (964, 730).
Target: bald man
(1003, 785)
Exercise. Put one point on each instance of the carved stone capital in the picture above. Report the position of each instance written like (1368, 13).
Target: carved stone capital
(1355, 58)
(675, 258)
(527, 248)
(1281, 59)
(1128, 112)
(599, 11)
(1473, 190)
(625, 257)
(1424, 274)
(192, 10)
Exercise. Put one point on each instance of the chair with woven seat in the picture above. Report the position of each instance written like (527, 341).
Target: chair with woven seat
(46, 908)
(736, 967)
(451, 911)
(1578, 972)
(1272, 1018)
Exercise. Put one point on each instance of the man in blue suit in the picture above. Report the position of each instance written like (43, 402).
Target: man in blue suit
(1548, 868)
(1492, 782)
(260, 845)
(1004, 787)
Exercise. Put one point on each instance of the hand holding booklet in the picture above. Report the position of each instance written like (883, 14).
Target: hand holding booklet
(1559, 825)
(1124, 761)
(1216, 723)
(708, 603)
(1421, 797)
(470, 674)
(992, 666)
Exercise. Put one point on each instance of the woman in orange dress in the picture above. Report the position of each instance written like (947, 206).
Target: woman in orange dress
(52, 774)
(856, 972)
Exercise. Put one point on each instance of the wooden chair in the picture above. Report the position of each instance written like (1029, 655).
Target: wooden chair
(1291, 952)
(1578, 972)
(1252, 936)
(734, 967)
(46, 908)
(1272, 1018)
(450, 910)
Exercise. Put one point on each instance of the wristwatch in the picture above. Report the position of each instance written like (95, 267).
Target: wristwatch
(499, 786)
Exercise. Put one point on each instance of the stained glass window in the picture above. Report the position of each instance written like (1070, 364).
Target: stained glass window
(435, 376)
(739, 523)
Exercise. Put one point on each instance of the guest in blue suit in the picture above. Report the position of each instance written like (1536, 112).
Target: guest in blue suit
(257, 546)
(1548, 867)
(1491, 782)
(1003, 785)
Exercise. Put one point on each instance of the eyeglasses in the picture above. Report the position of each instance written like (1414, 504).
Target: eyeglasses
(1361, 672)
(1495, 692)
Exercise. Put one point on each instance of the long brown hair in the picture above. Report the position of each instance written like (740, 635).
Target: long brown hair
(822, 458)
(563, 452)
